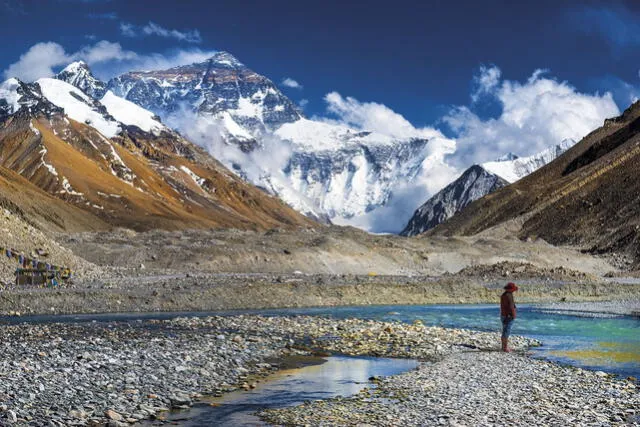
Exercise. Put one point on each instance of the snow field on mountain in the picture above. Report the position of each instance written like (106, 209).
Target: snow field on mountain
(513, 170)
(77, 105)
(317, 135)
(131, 114)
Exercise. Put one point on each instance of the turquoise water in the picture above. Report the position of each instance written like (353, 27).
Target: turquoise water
(608, 344)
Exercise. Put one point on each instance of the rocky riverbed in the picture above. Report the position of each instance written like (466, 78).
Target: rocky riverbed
(119, 373)
(476, 388)
(92, 373)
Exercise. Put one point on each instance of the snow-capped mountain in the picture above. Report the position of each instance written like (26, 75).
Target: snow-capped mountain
(321, 169)
(248, 104)
(117, 164)
(477, 182)
(356, 178)
(79, 106)
(474, 183)
(79, 75)
(513, 168)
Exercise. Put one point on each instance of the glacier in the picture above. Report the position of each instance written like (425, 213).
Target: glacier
(325, 170)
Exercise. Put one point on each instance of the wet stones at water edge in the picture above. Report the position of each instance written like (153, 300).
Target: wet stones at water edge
(97, 372)
(478, 388)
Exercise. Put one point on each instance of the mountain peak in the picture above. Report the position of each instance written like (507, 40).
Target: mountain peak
(76, 66)
(507, 157)
(225, 58)
(79, 75)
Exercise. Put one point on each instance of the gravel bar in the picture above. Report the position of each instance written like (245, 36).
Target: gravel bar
(119, 373)
(478, 388)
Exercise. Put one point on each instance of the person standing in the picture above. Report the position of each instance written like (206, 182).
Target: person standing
(507, 313)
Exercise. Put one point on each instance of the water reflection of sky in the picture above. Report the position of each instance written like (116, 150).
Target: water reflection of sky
(339, 376)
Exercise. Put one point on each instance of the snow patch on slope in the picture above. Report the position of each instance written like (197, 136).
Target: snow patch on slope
(52, 170)
(77, 105)
(513, 170)
(197, 179)
(68, 189)
(131, 114)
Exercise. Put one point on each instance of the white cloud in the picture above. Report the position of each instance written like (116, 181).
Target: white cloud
(372, 116)
(127, 29)
(104, 51)
(485, 81)
(41, 58)
(303, 102)
(535, 114)
(289, 82)
(106, 59)
(38, 62)
(153, 29)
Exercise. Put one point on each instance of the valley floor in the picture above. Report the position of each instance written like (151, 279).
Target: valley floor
(478, 388)
(120, 373)
(209, 292)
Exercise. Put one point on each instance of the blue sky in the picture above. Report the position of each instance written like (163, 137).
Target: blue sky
(419, 59)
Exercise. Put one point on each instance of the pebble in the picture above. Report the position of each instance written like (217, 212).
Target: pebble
(115, 373)
(478, 388)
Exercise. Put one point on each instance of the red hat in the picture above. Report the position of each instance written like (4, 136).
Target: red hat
(511, 287)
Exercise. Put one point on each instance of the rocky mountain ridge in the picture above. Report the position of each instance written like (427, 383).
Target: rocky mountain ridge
(474, 183)
(135, 173)
(588, 197)
(477, 182)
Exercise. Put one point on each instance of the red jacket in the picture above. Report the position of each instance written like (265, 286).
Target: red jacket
(507, 305)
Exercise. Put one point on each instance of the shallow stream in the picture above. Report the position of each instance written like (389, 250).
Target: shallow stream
(609, 343)
(337, 376)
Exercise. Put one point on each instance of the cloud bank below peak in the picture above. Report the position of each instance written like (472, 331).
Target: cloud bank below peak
(371, 116)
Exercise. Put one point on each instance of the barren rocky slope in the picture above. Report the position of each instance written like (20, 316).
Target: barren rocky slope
(31, 242)
(588, 197)
(135, 178)
(329, 250)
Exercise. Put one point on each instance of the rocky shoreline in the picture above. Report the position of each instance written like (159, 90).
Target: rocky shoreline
(118, 373)
(209, 292)
(478, 388)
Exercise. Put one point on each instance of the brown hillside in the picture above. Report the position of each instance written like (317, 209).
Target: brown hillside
(135, 180)
(589, 196)
(30, 204)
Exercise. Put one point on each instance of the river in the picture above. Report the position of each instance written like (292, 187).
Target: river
(609, 343)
